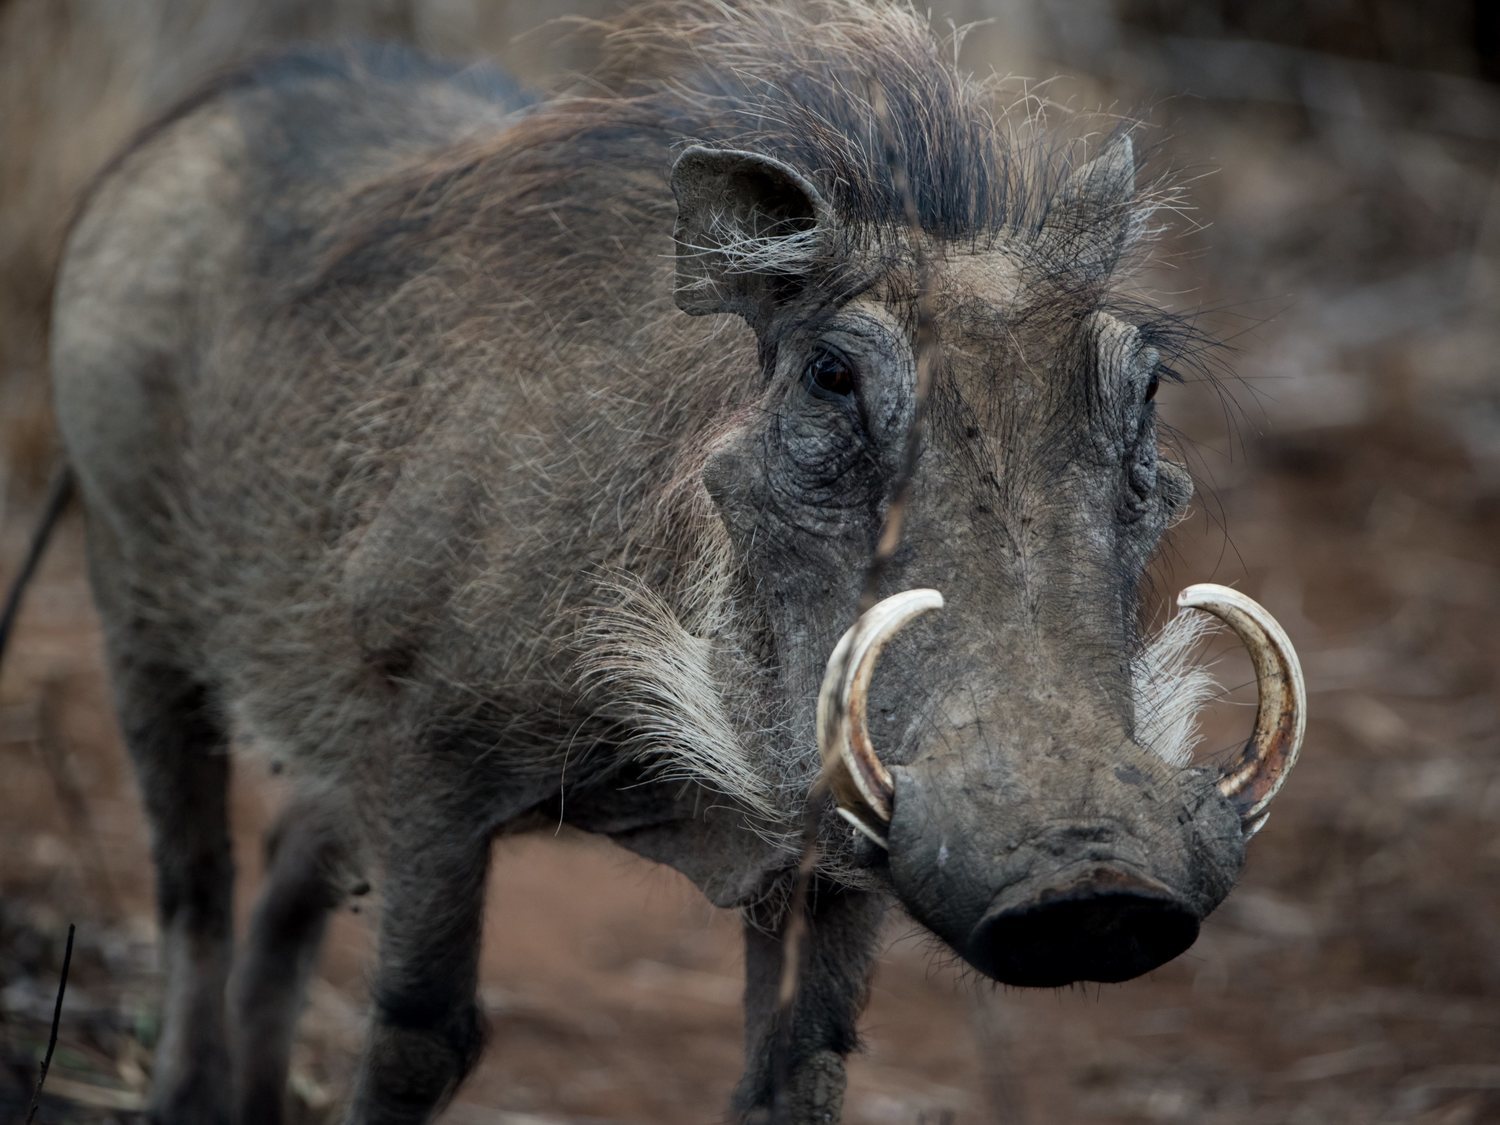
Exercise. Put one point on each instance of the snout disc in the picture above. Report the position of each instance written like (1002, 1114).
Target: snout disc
(1107, 924)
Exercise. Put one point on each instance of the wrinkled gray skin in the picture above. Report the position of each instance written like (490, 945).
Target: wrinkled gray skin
(375, 465)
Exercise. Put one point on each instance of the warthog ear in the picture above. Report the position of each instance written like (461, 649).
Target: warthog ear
(748, 226)
(1092, 216)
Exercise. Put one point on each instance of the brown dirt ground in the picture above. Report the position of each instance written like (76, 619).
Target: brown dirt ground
(1352, 977)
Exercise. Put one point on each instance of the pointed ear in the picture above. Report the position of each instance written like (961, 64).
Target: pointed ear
(748, 227)
(1091, 218)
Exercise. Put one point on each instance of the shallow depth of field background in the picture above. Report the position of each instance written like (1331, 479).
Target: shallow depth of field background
(1344, 159)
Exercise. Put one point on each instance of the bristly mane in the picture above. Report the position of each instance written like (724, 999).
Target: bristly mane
(858, 95)
(862, 97)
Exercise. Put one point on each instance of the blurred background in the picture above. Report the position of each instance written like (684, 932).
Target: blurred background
(1343, 158)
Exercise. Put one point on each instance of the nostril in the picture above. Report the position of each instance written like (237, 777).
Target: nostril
(1105, 925)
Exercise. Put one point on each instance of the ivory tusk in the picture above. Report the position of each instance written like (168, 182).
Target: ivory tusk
(1281, 717)
(860, 783)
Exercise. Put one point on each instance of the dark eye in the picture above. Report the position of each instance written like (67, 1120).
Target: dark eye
(829, 375)
(1152, 385)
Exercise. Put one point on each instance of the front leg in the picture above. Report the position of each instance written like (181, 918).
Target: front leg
(426, 1030)
(807, 1085)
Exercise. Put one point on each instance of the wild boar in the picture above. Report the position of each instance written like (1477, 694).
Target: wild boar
(494, 460)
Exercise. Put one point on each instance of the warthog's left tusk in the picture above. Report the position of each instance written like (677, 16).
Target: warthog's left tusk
(1281, 718)
(860, 783)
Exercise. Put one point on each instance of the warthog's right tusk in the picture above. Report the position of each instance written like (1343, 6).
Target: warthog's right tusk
(860, 783)
(1281, 718)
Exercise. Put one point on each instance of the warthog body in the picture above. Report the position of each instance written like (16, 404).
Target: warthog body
(404, 462)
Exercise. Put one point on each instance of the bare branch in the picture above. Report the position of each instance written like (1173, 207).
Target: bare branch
(62, 986)
(925, 347)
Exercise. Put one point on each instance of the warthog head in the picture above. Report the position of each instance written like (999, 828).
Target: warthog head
(1032, 792)
(1017, 767)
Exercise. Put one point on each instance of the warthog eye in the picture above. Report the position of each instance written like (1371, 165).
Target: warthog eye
(1152, 385)
(829, 375)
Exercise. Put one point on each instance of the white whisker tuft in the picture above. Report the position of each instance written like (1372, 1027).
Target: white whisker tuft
(666, 671)
(1170, 687)
(785, 252)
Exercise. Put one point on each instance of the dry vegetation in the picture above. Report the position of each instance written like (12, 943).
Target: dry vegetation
(1346, 154)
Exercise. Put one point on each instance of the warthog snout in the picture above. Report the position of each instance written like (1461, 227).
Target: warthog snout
(1034, 894)
(1044, 862)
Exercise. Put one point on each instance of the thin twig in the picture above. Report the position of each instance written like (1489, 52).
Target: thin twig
(59, 492)
(998, 1078)
(793, 943)
(62, 986)
(925, 346)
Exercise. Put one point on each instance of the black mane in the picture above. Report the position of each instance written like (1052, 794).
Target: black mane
(864, 99)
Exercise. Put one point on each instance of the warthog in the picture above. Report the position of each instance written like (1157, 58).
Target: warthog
(416, 452)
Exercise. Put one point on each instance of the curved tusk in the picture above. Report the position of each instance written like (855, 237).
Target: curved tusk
(860, 783)
(1281, 718)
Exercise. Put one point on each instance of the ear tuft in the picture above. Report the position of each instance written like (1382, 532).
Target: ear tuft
(746, 225)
